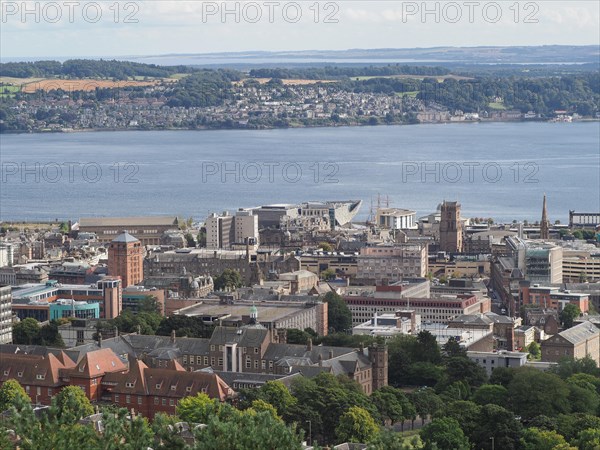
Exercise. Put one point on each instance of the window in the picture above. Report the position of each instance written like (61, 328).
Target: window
(6, 373)
(19, 374)
(171, 402)
(212, 361)
(129, 384)
(256, 350)
(185, 359)
(205, 360)
(199, 360)
(49, 391)
(116, 398)
(139, 399)
(263, 364)
(188, 389)
(164, 401)
(128, 399)
(173, 387)
(256, 363)
(212, 348)
(39, 377)
(158, 385)
(248, 364)
(220, 362)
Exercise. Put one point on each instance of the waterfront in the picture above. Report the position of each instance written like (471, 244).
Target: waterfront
(494, 169)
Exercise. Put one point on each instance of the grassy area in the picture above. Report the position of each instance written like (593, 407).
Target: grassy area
(497, 105)
(439, 78)
(412, 94)
(179, 76)
(9, 90)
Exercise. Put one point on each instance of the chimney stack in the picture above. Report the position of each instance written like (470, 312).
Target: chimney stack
(309, 345)
(173, 336)
(99, 339)
(330, 354)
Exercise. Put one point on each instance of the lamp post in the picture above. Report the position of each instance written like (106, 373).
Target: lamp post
(492, 439)
(309, 432)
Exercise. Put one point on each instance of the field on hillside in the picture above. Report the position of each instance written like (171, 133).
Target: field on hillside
(80, 85)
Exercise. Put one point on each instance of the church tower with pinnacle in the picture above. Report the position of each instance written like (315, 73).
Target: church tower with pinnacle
(545, 223)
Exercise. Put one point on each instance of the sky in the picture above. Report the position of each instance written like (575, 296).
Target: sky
(71, 28)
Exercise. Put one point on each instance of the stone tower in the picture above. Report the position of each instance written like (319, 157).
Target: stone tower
(545, 223)
(126, 259)
(451, 232)
(378, 354)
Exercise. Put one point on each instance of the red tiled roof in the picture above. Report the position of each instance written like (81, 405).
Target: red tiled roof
(35, 370)
(97, 363)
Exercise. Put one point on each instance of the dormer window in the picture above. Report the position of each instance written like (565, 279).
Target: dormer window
(188, 389)
(19, 374)
(158, 385)
(40, 377)
(130, 384)
(173, 387)
(6, 372)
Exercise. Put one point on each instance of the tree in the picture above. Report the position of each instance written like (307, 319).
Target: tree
(50, 336)
(466, 413)
(72, 404)
(10, 391)
(262, 406)
(328, 274)
(339, 315)
(498, 423)
(390, 440)
(534, 350)
(356, 425)
(444, 433)
(325, 246)
(462, 369)
(126, 433)
(189, 240)
(247, 430)
(536, 439)
(589, 439)
(388, 405)
(197, 409)
(583, 396)
(532, 391)
(26, 331)
(427, 347)
(567, 367)
(452, 348)
(295, 336)
(569, 314)
(491, 394)
(229, 279)
(426, 402)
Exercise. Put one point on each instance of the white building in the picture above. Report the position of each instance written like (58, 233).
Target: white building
(492, 360)
(389, 325)
(5, 315)
(226, 231)
(6, 254)
(396, 219)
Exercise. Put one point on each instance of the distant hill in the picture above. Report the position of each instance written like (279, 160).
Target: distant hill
(547, 54)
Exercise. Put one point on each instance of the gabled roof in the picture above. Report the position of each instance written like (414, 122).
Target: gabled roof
(580, 333)
(33, 369)
(97, 363)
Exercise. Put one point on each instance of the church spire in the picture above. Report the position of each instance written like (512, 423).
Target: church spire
(545, 223)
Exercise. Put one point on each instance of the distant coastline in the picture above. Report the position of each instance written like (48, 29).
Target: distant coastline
(463, 122)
